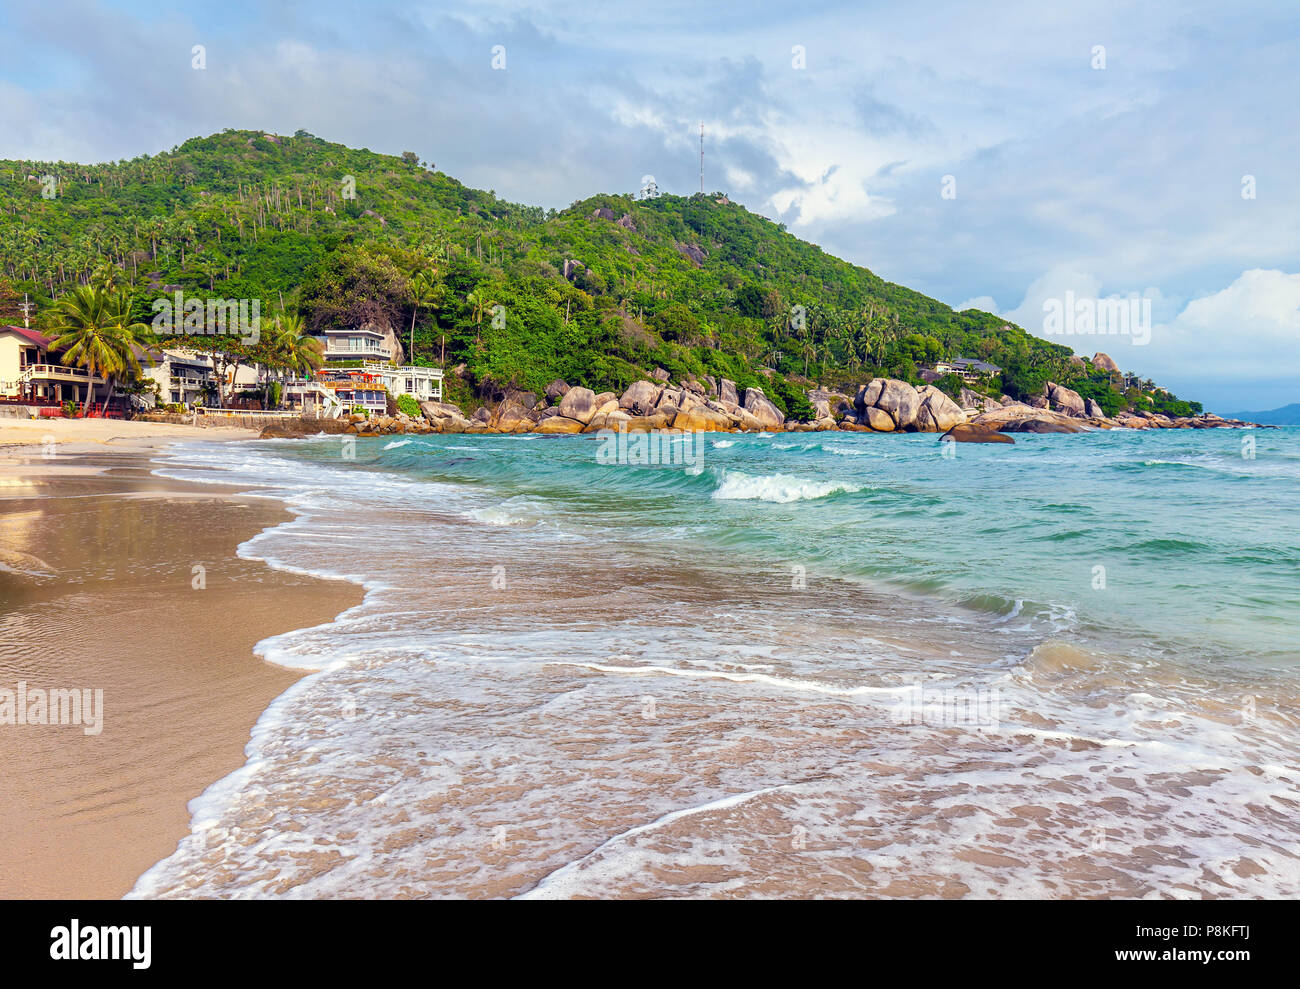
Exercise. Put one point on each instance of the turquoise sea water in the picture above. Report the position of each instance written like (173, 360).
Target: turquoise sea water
(809, 664)
(1194, 532)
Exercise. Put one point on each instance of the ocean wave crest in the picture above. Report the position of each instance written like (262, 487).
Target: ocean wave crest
(781, 488)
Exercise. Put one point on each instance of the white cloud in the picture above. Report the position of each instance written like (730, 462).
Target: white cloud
(1249, 327)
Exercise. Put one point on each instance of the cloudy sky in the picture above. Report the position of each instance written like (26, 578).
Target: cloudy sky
(997, 156)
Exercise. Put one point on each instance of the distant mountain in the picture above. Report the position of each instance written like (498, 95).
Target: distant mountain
(1288, 415)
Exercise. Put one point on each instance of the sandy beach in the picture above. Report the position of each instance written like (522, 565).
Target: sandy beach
(79, 435)
(99, 591)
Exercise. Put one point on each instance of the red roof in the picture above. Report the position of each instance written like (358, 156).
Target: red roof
(30, 335)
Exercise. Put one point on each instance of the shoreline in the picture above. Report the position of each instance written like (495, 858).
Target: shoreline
(98, 592)
(81, 436)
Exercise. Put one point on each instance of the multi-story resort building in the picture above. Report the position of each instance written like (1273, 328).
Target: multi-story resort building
(358, 367)
(358, 372)
(30, 372)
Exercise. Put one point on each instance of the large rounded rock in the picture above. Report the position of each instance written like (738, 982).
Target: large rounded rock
(901, 401)
(1104, 362)
(578, 404)
(1093, 410)
(558, 424)
(645, 424)
(727, 392)
(510, 416)
(702, 419)
(966, 433)
(1065, 400)
(879, 420)
(868, 393)
(670, 396)
(942, 411)
(439, 410)
(556, 389)
(758, 405)
(640, 398)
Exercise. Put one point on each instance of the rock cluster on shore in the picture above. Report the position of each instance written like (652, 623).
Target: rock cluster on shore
(882, 405)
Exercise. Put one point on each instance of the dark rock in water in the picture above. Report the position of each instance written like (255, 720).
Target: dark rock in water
(1040, 426)
(966, 433)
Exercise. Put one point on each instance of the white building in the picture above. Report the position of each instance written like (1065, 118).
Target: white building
(347, 346)
(30, 372)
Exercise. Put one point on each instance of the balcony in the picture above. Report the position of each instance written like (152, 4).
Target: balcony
(57, 372)
(372, 351)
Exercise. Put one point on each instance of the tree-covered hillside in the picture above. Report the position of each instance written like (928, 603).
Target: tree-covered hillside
(598, 293)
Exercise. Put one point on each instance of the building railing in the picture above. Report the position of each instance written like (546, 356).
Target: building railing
(46, 370)
(360, 354)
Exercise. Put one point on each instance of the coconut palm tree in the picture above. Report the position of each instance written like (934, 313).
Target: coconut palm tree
(480, 303)
(300, 353)
(93, 327)
(420, 288)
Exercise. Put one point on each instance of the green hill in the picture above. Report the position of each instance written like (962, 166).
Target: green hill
(598, 293)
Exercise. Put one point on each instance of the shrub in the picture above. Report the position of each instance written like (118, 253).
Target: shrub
(951, 385)
(408, 405)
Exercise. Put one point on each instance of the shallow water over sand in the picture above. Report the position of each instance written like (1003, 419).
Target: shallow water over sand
(574, 680)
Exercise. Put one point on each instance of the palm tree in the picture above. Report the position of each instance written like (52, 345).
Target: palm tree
(94, 329)
(287, 347)
(480, 303)
(420, 288)
(301, 353)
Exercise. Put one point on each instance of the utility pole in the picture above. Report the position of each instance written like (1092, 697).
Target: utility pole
(701, 157)
(26, 307)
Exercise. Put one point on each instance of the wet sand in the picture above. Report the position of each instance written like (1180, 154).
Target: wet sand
(98, 590)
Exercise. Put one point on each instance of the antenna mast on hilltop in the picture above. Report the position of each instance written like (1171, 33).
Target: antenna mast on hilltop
(701, 157)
